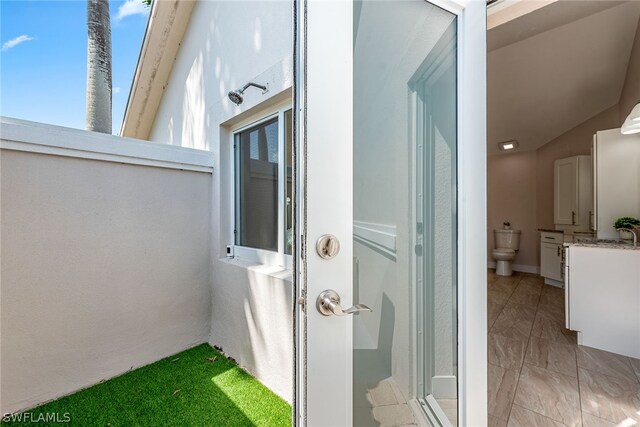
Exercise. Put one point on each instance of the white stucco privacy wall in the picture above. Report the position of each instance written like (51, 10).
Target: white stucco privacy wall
(104, 264)
(227, 44)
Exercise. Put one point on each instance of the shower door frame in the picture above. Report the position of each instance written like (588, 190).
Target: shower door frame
(422, 168)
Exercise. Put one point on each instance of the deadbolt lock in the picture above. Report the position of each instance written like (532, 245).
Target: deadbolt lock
(328, 246)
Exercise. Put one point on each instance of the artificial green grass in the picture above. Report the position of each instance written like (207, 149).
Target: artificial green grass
(198, 387)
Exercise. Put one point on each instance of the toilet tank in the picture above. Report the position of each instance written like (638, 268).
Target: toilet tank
(507, 239)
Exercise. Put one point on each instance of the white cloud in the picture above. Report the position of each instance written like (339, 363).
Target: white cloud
(15, 42)
(116, 89)
(132, 7)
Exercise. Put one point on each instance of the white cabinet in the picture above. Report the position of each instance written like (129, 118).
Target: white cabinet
(551, 261)
(551, 258)
(602, 298)
(573, 193)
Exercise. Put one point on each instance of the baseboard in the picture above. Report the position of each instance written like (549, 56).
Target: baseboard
(555, 283)
(518, 267)
(444, 387)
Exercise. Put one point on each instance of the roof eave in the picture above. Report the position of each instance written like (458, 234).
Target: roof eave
(167, 24)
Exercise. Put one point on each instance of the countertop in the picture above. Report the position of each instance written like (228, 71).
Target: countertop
(567, 232)
(548, 230)
(604, 243)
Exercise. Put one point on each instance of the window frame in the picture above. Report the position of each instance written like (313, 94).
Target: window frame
(245, 253)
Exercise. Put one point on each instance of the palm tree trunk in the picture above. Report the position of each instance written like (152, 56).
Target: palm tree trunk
(98, 66)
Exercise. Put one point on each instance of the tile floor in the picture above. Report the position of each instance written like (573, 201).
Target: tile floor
(450, 409)
(539, 376)
(385, 405)
(381, 404)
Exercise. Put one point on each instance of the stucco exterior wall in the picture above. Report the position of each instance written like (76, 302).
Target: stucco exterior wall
(226, 45)
(105, 267)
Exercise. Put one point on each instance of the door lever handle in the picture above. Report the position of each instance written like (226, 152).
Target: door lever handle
(328, 303)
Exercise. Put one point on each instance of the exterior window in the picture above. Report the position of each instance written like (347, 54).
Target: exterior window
(263, 186)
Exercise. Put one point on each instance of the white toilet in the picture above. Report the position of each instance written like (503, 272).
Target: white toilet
(507, 244)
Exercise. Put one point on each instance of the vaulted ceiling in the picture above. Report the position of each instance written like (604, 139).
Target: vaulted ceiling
(552, 69)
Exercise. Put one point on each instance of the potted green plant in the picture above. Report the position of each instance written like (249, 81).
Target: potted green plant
(626, 222)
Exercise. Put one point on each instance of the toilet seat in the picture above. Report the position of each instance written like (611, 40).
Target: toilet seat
(504, 251)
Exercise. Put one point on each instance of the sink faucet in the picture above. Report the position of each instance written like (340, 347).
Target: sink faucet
(633, 232)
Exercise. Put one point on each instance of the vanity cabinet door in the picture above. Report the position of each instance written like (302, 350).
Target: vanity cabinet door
(551, 261)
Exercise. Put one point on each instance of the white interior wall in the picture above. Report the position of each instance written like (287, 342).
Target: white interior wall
(515, 189)
(511, 182)
(227, 44)
(105, 267)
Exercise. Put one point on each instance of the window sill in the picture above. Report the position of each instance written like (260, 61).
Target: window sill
(274, 271)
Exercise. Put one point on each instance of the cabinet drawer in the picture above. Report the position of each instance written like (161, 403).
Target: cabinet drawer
(548, 237)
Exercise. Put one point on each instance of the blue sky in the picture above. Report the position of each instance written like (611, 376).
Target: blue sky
(43, 58)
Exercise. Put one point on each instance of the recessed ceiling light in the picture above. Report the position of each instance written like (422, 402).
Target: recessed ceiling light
(508, 145)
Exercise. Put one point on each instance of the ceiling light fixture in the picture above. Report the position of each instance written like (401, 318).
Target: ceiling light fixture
(632, 123)
(508, 145)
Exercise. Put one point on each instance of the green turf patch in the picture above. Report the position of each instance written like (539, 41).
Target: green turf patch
(198, 387)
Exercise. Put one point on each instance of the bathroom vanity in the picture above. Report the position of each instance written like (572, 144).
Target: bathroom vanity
(602, 295)
(552, 257)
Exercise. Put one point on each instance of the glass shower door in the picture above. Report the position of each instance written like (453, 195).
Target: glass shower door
(404, 213)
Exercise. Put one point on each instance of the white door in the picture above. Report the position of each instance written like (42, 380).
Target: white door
(390, 122)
